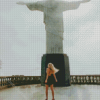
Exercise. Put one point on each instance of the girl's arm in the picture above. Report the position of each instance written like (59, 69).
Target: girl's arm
(47, 71)
(47, 77)
(55, 76)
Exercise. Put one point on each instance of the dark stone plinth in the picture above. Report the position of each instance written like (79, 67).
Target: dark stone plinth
(61, 62)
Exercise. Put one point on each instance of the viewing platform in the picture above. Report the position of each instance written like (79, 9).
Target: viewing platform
(83, 87)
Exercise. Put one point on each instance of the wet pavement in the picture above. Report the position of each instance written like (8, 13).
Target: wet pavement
(37, 92)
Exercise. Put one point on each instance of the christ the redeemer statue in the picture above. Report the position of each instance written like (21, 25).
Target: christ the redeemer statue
(53, 19)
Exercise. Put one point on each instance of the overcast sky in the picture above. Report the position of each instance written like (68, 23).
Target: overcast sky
(23, 39)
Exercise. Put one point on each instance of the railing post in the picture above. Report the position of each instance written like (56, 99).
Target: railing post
(71, 79)
(29, 80)
(78, 77)
(1, 81)
(87, 79)
(4, 81)
(97, 80)
(94, 79)
(91, 79)
(32, 80)
(76, 80)
(81, 80)
(26, 80)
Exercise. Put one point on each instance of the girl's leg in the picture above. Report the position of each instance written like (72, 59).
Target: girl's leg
(46, 91)
(51, 86)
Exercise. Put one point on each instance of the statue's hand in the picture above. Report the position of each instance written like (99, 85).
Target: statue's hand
(84, 1)
(21, 3)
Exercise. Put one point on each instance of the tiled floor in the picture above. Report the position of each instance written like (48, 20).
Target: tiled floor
(37, 92)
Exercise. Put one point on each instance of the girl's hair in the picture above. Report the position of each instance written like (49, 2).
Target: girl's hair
(51, 66)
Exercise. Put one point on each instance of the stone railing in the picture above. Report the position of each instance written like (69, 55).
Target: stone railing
(85, 79)
(9, 81)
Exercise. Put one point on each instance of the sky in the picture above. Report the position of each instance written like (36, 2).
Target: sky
(23, 39)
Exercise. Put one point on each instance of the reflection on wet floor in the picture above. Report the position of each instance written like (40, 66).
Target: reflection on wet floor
(37, 92)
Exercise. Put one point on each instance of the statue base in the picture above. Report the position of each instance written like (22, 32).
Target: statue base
(61, 62)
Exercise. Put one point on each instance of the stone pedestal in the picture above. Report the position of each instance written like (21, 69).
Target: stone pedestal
(61, 62)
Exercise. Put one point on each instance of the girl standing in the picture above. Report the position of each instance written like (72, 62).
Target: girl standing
(50, 79)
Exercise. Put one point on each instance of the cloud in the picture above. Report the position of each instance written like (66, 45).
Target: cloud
(84, 54)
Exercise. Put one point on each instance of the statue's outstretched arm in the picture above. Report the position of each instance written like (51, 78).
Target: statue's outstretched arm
(33, 5)
(65, 5)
